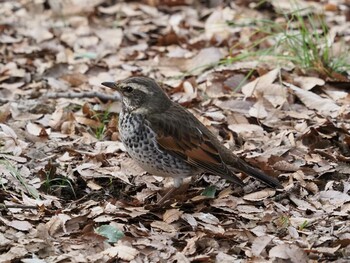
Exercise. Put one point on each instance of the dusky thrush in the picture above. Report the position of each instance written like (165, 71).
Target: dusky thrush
(166, 140)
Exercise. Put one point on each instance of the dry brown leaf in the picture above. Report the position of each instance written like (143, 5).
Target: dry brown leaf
(172, 215)
(56, 224)
(163, 226)
(88, 122)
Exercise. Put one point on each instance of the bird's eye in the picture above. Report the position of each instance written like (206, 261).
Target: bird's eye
(127, 89)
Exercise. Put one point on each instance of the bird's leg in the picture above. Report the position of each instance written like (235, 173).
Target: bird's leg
(177, 184)
(166, 196)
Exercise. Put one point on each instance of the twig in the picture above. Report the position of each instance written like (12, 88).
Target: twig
(90, 94)
(4, 207)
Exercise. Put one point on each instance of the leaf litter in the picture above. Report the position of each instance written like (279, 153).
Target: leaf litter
(65, 177)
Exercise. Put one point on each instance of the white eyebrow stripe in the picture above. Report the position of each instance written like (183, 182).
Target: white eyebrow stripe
(143, 89)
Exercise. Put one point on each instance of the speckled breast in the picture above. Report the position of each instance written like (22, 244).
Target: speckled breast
(140, 142)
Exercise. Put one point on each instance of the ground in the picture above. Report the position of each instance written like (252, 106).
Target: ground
(269, 78)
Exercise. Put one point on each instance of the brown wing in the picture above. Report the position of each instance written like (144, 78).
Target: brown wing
(184, 136)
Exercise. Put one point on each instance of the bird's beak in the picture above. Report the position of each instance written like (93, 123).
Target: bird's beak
(111, 85)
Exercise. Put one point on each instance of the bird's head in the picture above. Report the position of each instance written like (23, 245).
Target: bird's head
(141, 94)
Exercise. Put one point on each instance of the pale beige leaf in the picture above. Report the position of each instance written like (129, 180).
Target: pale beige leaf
(20, 225)
(206, 57)
(302, 7)
(111, 38)
(94, 186)
(258, 110)
(214, 229)
(15, 252)
(122, 251)
(259, 244)
(262, 83)
(335, 198)
(307, 83)
(248, 209)
(207, 218)
(302, 204)
(190, 219)
(4, 241)
(335, 93)
(260, 195)
(259, 230)
(276, 94)
(285, 251)
(313, 101)
(8, 131)
(247, 130)
(216, 24)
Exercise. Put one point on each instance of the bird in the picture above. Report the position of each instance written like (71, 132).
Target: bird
(167, 140)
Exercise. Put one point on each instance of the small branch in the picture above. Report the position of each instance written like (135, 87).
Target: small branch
(92, 94)
(5, 207)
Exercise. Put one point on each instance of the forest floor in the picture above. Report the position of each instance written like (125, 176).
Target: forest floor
(269, 78)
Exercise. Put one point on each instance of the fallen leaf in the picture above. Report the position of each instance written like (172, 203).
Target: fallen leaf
(207, 218)
(292, 252)
(313, 101)
(122, 251)
(259, 85)
(205, 58)
(259, 244)
(172, 215)
(20, 225)
(307, 83)
(163, 226)
(260, 195)
(247, 130)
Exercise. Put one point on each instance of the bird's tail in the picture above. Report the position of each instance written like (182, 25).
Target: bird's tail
(258, 174)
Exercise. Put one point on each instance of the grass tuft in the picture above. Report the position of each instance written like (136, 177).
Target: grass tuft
(304, 40)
